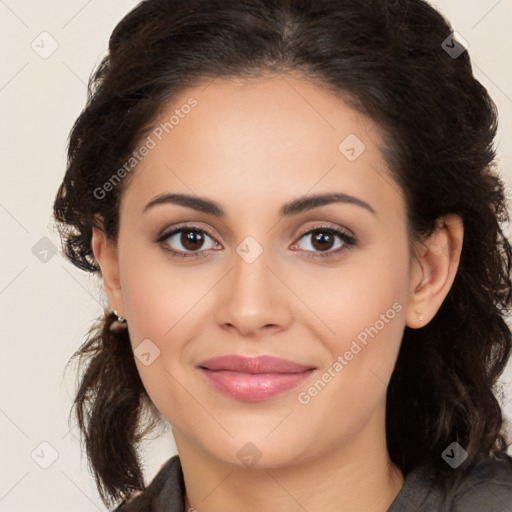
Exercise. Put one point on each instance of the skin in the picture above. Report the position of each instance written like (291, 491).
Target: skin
(252, 146)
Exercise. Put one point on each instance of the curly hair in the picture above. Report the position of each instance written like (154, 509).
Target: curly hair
(386, 59)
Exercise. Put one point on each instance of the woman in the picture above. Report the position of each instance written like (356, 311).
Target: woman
(293, 208)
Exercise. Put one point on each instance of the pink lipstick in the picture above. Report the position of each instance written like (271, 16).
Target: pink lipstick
(253, 378)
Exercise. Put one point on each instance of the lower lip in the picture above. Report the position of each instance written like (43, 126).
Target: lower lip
(253, 387)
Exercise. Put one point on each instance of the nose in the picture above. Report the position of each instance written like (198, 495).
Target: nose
(254, 300)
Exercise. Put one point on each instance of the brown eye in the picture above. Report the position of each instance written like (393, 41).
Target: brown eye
(191, 240)
(322, 240)
(328, 240)
(188, 240)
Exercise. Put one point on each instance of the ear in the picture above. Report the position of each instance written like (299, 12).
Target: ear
(105, 253)
(433, 270)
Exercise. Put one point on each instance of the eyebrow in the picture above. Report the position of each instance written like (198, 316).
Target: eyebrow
(292, 208)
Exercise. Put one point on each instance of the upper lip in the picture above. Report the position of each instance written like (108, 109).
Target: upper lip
(260, 364)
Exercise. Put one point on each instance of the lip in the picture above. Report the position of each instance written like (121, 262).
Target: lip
(253, 378)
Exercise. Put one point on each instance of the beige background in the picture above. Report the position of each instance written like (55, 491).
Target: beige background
(46, 306)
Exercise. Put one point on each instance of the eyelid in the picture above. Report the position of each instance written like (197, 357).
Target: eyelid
(182, 227)
(327, 227)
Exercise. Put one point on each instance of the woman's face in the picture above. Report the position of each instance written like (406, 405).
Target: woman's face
(270, 276)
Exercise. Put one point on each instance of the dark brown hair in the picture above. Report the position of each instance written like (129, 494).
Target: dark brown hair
(387, 58)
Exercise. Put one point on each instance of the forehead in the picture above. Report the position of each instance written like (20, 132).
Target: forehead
(279, 133)
(273, 111)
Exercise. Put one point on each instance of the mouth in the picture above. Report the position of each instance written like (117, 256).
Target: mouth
(253, 379)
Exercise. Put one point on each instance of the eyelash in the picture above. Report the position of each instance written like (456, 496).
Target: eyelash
(349, 241)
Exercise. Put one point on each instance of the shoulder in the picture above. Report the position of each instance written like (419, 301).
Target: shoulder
(487, 488)
(165, 493)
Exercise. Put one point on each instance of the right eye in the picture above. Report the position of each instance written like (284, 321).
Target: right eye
(187, 241)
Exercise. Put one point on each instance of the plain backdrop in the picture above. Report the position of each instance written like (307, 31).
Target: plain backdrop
(48, 52)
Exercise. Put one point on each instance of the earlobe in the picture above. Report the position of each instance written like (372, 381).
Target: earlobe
(105, 254)
(433, 271)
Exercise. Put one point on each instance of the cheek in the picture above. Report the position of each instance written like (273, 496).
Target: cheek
(162, 303)
(362, 309)
(159, 305)
(158, 294)
(368, 321)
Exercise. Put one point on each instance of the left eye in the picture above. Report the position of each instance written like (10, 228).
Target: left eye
(324, 240)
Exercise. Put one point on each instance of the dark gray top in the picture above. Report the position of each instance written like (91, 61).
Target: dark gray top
(488, 488)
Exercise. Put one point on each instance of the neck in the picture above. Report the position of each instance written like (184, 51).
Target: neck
(359, 474)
